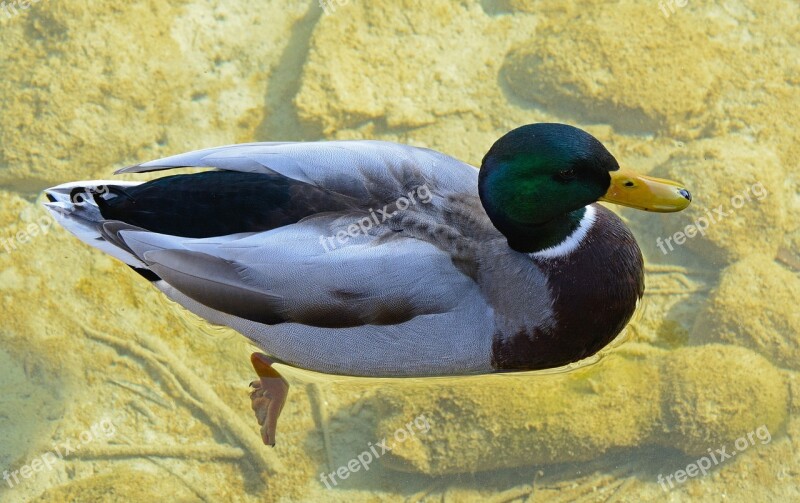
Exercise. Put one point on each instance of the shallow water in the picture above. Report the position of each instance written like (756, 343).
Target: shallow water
(112, 393)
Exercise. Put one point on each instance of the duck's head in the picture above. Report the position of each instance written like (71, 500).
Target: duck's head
(536, 181)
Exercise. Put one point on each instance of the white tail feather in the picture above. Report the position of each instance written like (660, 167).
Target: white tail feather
(81, 216)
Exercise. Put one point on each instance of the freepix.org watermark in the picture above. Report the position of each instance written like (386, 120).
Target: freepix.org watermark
(363, 460)
(41, 226)
(671, 5)
(717, 456)
(12, 8)
(756, 191)
(329, 6)
(60, 452)
(376, 217)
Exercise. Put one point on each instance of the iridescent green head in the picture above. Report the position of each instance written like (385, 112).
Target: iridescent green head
(536, 180)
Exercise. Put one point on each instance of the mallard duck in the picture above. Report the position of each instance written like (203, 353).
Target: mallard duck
(369, 258)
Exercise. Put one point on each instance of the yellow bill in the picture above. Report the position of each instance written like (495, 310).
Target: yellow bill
(646, 193)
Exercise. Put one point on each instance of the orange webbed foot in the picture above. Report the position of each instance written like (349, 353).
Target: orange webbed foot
(268, 396)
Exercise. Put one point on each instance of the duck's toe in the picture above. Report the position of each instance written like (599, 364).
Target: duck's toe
(268, 396)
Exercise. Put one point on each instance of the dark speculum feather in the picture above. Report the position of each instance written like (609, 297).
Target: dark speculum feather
(218, 203)
(146, 274)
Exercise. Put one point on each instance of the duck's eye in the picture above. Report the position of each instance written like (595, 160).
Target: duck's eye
(567, 174)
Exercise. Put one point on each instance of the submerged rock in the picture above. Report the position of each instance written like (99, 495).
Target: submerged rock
(755, 305)
(739, 205)
(88, 86)
(681, 399)
(405, 63)
(714, 394)
(595, 69)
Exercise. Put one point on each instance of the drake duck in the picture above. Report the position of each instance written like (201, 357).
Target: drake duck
(369, 258)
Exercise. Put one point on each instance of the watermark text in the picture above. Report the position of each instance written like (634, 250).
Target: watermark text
(717, 456)
(376, 217)
(700, 226)
(60, 452)
(375, 451)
